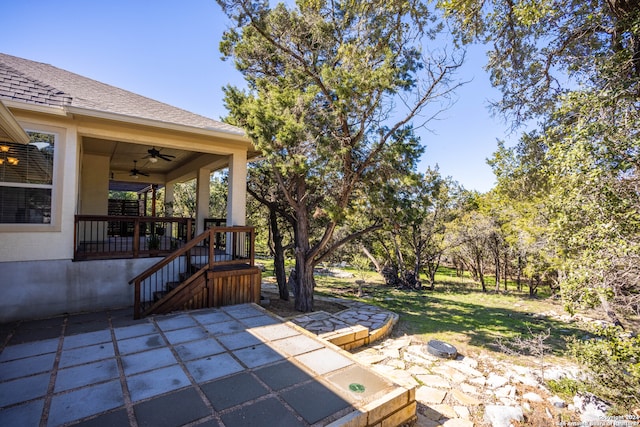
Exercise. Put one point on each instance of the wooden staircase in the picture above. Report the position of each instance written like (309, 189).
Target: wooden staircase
(215, 268)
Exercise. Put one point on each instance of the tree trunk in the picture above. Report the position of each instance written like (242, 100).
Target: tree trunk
(519, 276)
(433, 269)
(505, 267)
(604, 303)
(372, 259)
(533, 288)
(306, 285)
(418, 268)
(305, 282)
(278, 256)
(480, 272)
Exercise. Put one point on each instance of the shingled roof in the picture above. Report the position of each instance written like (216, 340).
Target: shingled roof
(43, 84)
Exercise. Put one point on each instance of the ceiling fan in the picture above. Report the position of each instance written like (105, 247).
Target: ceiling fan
(135, 172)
(154, 155)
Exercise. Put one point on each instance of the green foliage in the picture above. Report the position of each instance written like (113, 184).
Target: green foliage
(325, 86)
(416, 208)
(566, 388)
(613, 359)
(153, 242)
(362, 265)
(572, 184)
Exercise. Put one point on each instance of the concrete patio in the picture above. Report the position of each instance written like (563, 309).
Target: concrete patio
(232, 366)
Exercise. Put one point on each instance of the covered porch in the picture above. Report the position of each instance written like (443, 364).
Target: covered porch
(144, 167)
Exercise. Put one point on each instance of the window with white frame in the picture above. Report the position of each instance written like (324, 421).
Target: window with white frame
(26, 180)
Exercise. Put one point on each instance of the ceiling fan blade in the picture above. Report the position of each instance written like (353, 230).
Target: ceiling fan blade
(135, 171)
(167, 157)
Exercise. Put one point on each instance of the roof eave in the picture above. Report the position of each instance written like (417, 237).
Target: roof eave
(10, 129)
(218, 133)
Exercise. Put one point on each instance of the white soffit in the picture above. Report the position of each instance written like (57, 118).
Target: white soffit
(10, 129)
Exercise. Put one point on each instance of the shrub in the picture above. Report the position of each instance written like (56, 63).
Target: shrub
(613, 360)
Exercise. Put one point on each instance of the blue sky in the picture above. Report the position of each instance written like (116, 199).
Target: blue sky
(168, 50)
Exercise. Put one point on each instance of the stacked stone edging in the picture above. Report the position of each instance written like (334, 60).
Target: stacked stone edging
(358, 325)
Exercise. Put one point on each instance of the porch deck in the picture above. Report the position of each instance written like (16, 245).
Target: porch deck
(232, 366)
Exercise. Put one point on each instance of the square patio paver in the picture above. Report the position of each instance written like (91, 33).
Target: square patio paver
(28, 414)
(82, 375)
(282, 375)
(80, 355)
(84, 402)
(234, 390)
(266, 413)
(156, 382)
(257, 355)
(23, 389)
(147, 360)
(28, 366)
(186, 407)
(324, 360)
(34, 348)
(310, 410)
(199, 349)
(210, 368)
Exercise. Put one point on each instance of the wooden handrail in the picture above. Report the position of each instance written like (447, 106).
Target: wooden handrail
(133, 218)
(207, 236)
(171, 257)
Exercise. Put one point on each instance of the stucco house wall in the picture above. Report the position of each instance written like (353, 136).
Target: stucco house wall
(99, 130)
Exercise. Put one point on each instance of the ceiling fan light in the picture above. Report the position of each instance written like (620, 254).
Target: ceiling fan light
(153, 159)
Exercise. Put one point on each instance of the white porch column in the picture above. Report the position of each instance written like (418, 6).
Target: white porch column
(202, 198)
(237, 192)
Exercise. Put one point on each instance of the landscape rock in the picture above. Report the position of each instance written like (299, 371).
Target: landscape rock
(464, 368)
(434, 381)
(457, 422)
(506, 391)
(501, 416)
(429, 395)
(591, 408)
(479, 381)
(448, 372)
(418, 370)
(532, 397)
(464, 399)
(462, 412)
(456, 392)
(557, 402)
(495, 381)
(469, 389)
(469, 361)
(528, 379)
(446, 411)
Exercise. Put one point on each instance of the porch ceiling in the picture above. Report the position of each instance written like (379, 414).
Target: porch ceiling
(183, 164)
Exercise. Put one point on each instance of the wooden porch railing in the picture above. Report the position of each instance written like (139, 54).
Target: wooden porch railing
(108, 236)
(216, 249)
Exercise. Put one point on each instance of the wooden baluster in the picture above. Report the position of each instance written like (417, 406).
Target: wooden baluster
(136, 237)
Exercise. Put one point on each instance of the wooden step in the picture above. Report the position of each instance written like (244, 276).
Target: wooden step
(158, 295)
(172, 285)
(196, 267)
